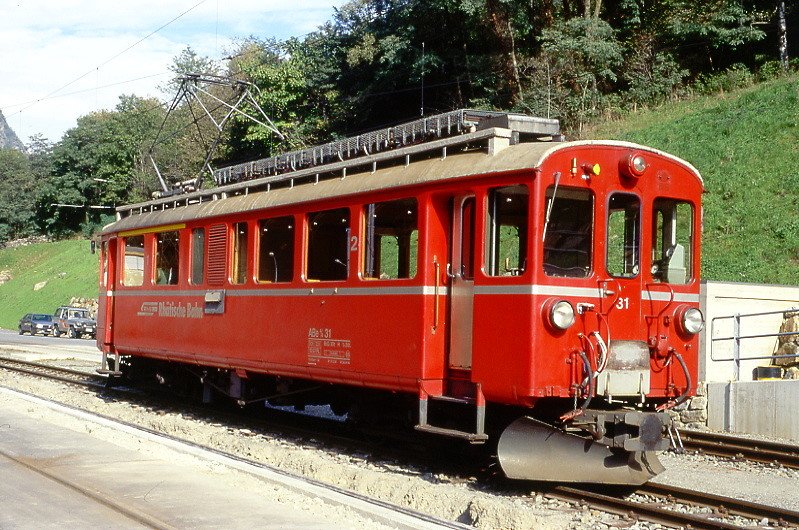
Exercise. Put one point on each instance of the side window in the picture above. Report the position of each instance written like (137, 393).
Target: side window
(167, 257)
(133, 273)
(392, 239)
(197, 256)
(624, 235)
(507, 231)
(467, 238)
(328, 245)
(672, 241)
(104, 262)
(568, 232)
(240, 253)
(276, 250)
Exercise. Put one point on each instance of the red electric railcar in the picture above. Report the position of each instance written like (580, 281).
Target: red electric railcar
(499, 284)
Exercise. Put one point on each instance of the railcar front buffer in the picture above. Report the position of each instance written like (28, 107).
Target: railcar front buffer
(532, 450)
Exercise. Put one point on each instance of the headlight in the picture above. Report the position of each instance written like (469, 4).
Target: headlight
(693, 321)
(561, 315)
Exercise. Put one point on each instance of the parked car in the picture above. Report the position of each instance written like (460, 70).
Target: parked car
(36, 323)
(74, 322)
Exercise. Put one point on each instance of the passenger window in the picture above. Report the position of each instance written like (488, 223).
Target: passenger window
(507, 231)
(392, 239)
(239, 270)
(104, 261)
(672, 241)
(328, 245)
(166, 258)
(624, 237)
(467, 238)
(133, 273)
(568, 232)
(276, 250)
(197, 256)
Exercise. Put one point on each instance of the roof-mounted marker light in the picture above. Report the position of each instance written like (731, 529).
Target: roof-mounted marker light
(634, 166)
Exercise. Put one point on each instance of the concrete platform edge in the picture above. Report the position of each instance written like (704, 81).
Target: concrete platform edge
(380, 511)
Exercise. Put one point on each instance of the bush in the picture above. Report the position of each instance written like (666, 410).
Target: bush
(652, 78)
(734, 77)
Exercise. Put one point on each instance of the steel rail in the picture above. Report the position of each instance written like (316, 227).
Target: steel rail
(722, 505)
(39, 370)
(643, 511)
(113, 503)
(726, 445)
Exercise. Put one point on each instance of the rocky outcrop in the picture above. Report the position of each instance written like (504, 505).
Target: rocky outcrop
(788, 344)
(8, 138)
(88, 303)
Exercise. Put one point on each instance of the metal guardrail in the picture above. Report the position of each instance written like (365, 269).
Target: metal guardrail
(737, 337)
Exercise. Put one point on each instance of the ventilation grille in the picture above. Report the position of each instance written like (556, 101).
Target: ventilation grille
(217, 252)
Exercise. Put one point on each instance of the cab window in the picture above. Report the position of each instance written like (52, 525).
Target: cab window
(507, 231)
(672, 241)
(568, 232)
(624, 235)
(392, 239)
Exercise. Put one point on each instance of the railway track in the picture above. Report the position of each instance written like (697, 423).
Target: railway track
(66, 375)
(731, 446)
(662, 504)
(650, 502)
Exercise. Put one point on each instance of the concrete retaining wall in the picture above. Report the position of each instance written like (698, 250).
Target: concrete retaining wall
(755, 407)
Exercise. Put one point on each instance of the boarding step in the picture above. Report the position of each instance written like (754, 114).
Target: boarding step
(111, 373)
(453, 433)
(110, 367)
(454, 399)
(465, 393)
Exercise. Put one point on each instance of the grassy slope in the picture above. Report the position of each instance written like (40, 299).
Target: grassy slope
(45, 262)
(746, 146)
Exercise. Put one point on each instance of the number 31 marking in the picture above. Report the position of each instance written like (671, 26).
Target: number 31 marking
(623, 303)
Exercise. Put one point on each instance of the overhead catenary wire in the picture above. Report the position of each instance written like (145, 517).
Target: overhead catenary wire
(96, 68)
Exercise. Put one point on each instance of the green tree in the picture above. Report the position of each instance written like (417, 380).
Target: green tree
(17, 192)
(100, 163)
(578, 63)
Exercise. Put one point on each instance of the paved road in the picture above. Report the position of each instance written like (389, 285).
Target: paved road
(37, 347)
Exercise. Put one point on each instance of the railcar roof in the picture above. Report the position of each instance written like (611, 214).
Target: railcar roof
(456, 165)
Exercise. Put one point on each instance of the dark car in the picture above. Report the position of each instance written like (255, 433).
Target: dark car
(35, 323)
(74, 321)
